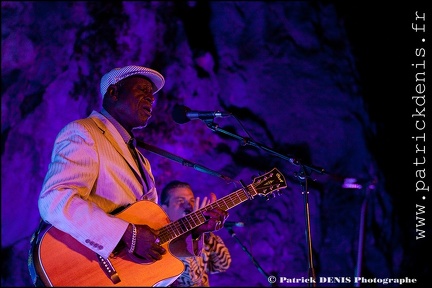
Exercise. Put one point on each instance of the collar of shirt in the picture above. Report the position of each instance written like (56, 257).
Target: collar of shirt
(124, 134)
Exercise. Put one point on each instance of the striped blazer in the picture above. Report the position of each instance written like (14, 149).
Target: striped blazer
(214, 258)
(92, 173)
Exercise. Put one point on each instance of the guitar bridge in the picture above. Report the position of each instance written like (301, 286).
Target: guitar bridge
(108, 268)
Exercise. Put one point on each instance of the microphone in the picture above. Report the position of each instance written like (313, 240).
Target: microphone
(230, 224)
(182, 114)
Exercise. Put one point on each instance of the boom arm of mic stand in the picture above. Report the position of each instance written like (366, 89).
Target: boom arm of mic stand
(246, 141)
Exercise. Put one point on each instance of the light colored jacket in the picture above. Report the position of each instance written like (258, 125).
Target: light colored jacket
(92, 173)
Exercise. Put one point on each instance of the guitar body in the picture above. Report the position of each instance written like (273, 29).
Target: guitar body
(60, 260)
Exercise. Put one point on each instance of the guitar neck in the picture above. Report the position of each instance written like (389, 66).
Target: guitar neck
(196, 218)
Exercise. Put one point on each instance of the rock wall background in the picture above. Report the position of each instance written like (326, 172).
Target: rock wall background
(324, 81)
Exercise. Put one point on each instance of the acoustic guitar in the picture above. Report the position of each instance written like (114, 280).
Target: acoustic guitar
(60, 260)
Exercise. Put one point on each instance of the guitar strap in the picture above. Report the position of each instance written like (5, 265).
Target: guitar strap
(34, 241)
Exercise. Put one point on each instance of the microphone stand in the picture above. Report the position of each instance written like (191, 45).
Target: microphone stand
(363, 214)
(257, 265)
(305, 192)
(303, 175)
(181, 160)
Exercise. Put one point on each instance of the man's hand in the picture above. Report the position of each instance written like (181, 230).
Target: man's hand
(216, 216)
(147, 243)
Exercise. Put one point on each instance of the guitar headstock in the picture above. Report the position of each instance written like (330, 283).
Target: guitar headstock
(269, 182)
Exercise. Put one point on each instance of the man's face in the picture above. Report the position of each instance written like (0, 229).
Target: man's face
(135, 101)
(181, 202)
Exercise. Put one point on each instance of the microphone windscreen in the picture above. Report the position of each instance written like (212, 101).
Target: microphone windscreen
(179, 114)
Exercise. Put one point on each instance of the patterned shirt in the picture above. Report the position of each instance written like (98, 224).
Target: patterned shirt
(214, 258)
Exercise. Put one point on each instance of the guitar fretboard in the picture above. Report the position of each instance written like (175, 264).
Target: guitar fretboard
(196, 218)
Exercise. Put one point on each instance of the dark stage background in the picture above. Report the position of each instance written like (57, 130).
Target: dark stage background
(328, 82)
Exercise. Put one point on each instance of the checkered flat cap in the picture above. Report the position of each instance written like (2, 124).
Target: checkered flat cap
(117, 74)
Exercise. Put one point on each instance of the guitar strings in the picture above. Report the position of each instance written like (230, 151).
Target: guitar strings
(196, 218)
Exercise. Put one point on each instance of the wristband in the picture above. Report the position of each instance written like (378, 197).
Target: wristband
(134, 236)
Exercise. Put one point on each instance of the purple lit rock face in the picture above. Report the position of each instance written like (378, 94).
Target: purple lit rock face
(285, 70)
